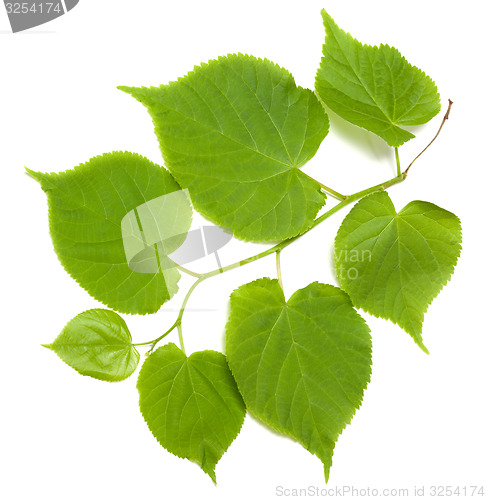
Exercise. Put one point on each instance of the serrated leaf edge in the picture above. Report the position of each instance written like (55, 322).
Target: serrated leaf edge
(136, 93)
(375, 48)
(43, 179)
(213, 475)
(95, 374)
(420, 344)
(262, 282)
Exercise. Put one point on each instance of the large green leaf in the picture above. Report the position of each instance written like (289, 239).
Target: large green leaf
(191, 405)
(235, 132)
(97, 343)
(373, 87)
(393, 264)
(302, 365)
(98, 213)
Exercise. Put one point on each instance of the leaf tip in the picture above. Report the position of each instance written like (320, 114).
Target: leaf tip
(44, 179)
(327, 471)
(327, 19)
(38, 176)
(209, 469)
(138, 93)
(47, 346)
(424, 349)
(125, 88)
(417, 339)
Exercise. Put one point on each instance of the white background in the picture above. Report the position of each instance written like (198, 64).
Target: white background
(63, 436)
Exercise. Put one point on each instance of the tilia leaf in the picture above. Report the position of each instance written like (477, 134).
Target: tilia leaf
(373, 87)
(235, 132)
(302, 365)
(392, 264)
(99, 216)
(191, 404)
(97, 343)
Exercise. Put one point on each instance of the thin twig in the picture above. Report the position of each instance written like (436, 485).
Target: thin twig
(446, 117)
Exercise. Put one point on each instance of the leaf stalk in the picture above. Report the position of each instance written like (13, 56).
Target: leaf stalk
(279, 269)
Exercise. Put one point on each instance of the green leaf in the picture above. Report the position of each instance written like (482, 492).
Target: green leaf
(302, 365)
(235, 132)
(98, 214)
(97, 343)
(191, 405)
(392, 264)
(373, 87)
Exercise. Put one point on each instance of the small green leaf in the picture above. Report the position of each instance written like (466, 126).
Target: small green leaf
(302, 365)
(235, 132)
(98, 215)
(392, 264)
(191, 405)
(373, 87)
(97, 343)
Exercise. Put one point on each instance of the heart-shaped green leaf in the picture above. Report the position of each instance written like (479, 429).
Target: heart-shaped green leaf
(235, 132)
(191, 404)
(97, 343)
(302, 365)
(392, 264)
(373, 87)
(90, 209)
